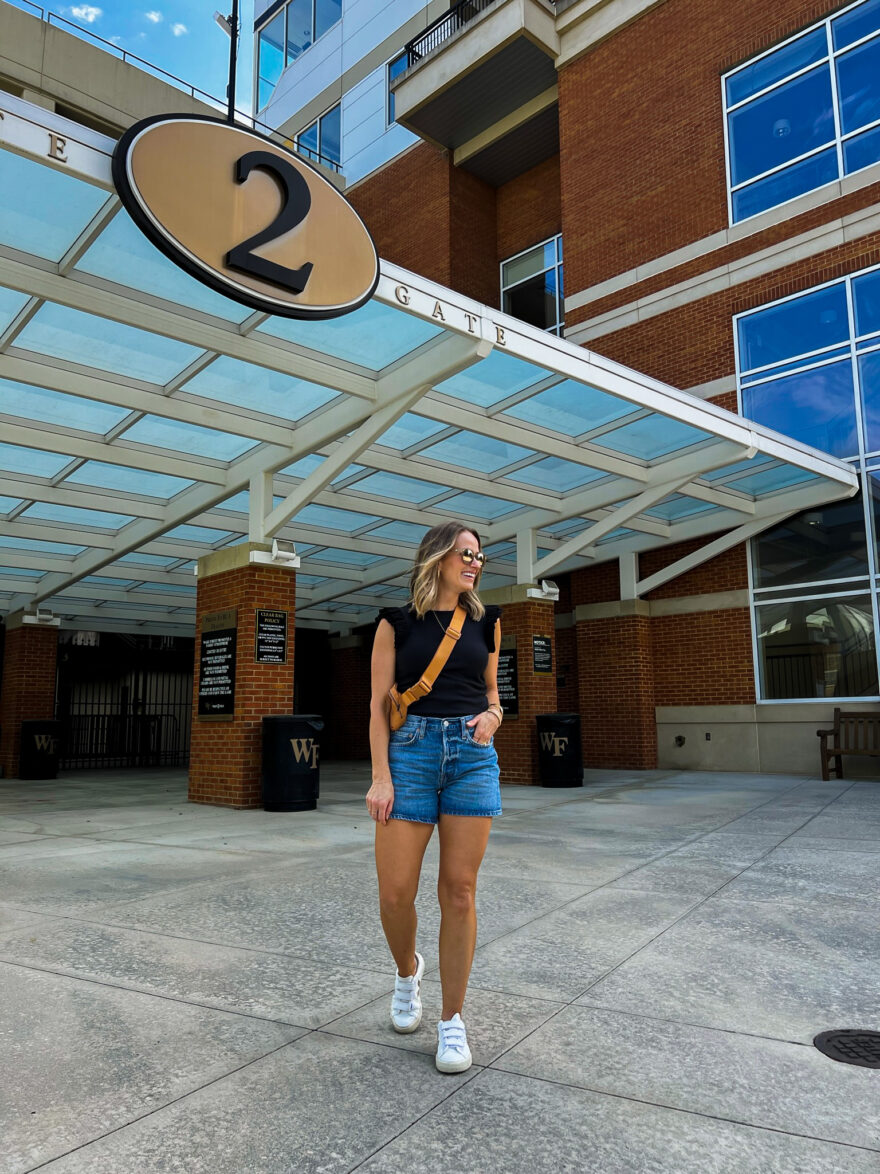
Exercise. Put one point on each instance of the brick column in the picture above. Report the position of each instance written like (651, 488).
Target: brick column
(616, 684)
(27, 691)
(517, 740)
(225, 758)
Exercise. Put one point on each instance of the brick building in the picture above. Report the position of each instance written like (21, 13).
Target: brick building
(710, 173)
(626, 308)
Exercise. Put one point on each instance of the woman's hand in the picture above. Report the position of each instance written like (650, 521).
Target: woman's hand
(380, 800)
(483, 726)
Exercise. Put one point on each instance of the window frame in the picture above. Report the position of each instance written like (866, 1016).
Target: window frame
(390, 120)
(865, 463)
(258, 29)
(829, 62)
(318, 156)
(558, 327)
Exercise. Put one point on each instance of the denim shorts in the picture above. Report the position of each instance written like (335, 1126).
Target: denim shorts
(437, 768)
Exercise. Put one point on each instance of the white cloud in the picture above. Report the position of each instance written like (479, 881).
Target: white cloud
(153, 17)
(87, 12)
(179, 30)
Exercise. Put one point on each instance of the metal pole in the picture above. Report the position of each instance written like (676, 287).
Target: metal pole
(233, 53)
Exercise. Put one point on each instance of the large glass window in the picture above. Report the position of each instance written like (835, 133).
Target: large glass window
(270, 58)
(805, 113)
(531, 286)
(809, 366)
(322, 139)
(288, 34)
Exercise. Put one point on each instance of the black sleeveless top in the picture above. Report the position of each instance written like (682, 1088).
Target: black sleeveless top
(460, 688)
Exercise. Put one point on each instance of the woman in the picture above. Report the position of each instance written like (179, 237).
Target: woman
(439, 767)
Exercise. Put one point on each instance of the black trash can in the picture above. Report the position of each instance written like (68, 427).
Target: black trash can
(291, 753)
(39, 750)
(560, 762)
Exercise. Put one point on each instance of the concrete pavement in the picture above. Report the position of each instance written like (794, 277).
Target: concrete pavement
(195, 989)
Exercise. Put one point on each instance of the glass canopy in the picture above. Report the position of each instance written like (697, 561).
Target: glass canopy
(138, 410)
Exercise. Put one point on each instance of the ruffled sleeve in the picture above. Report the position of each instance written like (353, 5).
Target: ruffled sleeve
(398, 618)
(493, 614)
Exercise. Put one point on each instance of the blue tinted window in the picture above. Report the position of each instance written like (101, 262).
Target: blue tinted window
(869, 377)
(801, 177)
(787, 122)
(816, 407)
(797, 327)
(299, 28)
(866, 300)
(856, 23)
(307, 141)
(270, 57)
(858, 78)
(782, 130)
(327, 12)
(861, 151)
(331, 135)
(775, 66)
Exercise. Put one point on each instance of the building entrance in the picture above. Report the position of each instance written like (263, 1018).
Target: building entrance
(124, 700)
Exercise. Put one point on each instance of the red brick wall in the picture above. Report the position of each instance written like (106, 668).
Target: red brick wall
(517, 741)
(406, 206)
(28, 688)
(347, 721)
(727, 572)
(599, 584)
(616, 686)
(693, 343)
(225, 758)
(703, 658)
(641, 130)
(446, 224)
(529, 209)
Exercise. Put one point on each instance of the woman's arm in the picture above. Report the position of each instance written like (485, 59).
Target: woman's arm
(486, 723)
(380, 797)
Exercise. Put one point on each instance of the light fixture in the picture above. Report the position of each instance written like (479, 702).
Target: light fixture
(547, 591)
(781, 128)
(224, 22)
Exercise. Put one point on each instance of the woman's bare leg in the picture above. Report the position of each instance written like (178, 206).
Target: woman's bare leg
(463, 840)
(400, 848)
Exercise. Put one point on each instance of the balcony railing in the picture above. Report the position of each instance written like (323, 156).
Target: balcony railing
(444, 27)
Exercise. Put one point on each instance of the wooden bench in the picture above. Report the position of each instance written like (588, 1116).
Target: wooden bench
(855, 732)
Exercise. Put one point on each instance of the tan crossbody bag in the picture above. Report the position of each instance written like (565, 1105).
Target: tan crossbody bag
(400, 702)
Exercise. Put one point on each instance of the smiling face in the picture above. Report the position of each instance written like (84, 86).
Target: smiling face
(455, 574)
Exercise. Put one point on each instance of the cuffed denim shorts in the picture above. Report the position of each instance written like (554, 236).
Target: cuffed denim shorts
(437, 768)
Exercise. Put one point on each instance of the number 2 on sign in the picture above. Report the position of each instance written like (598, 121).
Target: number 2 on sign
(294, 209)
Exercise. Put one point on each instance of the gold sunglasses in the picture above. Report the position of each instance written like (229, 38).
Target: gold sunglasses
(469, 556)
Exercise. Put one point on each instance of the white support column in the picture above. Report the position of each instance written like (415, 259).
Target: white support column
(260, 505)
(629, 575)
(526, 556)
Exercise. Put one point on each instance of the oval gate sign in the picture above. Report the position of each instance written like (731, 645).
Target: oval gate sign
(245, 216)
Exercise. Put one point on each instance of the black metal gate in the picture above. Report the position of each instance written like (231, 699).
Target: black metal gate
(125, 700)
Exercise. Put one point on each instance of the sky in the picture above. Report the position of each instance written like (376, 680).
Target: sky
(177, 35)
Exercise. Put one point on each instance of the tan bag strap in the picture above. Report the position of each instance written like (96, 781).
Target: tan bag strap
(425, 683)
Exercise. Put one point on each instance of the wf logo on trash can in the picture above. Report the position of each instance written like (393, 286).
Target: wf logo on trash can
(46, 743)
(306, 750)
(554, 743)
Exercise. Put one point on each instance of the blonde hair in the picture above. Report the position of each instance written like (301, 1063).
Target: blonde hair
(425, 579)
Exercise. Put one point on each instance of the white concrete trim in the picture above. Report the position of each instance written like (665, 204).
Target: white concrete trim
(728, 236)
(704, 285)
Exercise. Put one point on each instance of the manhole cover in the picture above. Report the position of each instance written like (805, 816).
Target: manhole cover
(851, 1047)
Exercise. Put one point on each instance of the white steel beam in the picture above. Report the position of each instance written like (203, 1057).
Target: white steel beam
(396, 393)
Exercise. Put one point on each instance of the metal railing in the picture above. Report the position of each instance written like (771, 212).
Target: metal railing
(219, 104)
(444, 27)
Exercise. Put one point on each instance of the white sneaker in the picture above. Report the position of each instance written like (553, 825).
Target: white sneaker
(406, 1002)
(453, 1053)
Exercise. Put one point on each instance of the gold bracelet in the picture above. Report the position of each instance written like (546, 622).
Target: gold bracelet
(497, 711)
